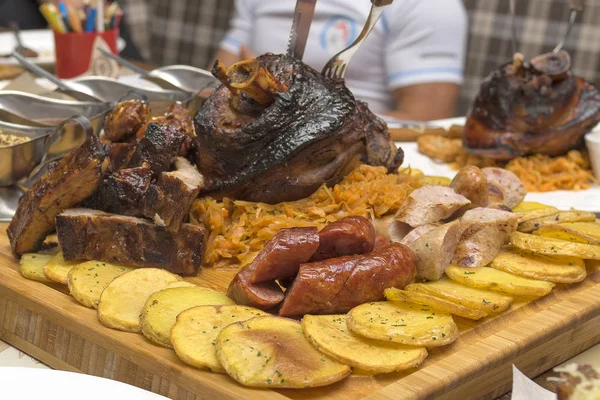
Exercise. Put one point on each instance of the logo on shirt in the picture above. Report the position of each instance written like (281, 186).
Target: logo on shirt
(338, 33)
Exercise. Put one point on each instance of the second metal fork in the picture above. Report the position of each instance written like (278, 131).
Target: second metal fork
(337, 65)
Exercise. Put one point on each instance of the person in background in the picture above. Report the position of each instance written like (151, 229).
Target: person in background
(410, 67)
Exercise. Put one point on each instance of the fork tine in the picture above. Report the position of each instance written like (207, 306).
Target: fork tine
(342, 71)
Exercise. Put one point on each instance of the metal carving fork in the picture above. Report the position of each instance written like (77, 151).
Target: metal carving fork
(336, 67)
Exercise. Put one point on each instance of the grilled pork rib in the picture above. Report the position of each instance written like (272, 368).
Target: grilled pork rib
(277, 129)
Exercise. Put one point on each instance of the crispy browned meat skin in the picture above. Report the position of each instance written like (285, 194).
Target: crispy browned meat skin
(159, 147)
(536, 106)
(86, 234)
(177, 115)
(72, 180)
(264, 295)
(313, 132)
(347, 236)
(125, 120)
(122, 192)
(282, 255)
(339, 284)
(169, 200)
(119, 154)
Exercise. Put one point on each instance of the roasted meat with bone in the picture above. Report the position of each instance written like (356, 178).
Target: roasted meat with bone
(531, 106)
(277, 129)
(72, 180)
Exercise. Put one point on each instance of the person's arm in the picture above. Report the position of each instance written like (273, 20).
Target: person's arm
(426, 101)
(424, 58)
(233, 47)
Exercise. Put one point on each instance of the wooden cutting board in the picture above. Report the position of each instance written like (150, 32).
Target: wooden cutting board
(45, 322)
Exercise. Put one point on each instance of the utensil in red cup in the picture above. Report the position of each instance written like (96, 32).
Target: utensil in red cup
(74, 53)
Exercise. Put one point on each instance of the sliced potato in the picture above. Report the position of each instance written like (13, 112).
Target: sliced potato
(31, 266)
(555, 218)
(554, 247)
(579, 232)
(428, 180)
(273, 352)
(499, 281)
(405, 323)
(58, 269)
(539, 266)
(393, 294)
(87, 280)
(194, 335)
(122, 301)
(477, 299)
(161, 309)
(330, 335)
(535, 214)
(526, 206)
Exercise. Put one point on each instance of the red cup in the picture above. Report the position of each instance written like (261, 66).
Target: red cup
(73, 52)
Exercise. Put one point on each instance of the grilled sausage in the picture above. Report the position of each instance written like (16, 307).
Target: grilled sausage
(472, 183)
(263, 296)
(510, 187)
(380, 241)
(347, 236)
(282, 255)
(339, 284)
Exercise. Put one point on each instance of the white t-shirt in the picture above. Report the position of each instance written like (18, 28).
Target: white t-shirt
(414, 41)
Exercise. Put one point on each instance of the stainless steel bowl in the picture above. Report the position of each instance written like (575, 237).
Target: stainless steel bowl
(20, 161)
(183, 77)
(30, 109)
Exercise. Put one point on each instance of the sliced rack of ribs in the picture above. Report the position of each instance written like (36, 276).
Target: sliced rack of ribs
(276, 129)
(531, 106)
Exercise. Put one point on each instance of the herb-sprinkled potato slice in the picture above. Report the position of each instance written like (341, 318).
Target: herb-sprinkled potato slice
(406, 323)
(330, 335)
(161, 309)
(88, 280)
(194, 335)
(58, 269)
(554, 247)
(499, 281)
(479, 299)
(123, 299)
(393, 294)
(562, 269)
(31, 266)
(273, 352)
(580, 232)
(561, 216)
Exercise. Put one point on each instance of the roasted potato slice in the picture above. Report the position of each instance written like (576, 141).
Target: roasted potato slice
(330, 335)
(478, 299)
(58, 269)
(579, 232)
(554, 247)
(273, 352)
(122, 301)
(437, 303)
(439, 147)
(31, 266)
(527, 216)
(87, 280)
(161, 309)
(527, 206)
(555, 218)
(194, 335)
(499, 281)
(409, 324)
(539, 266)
